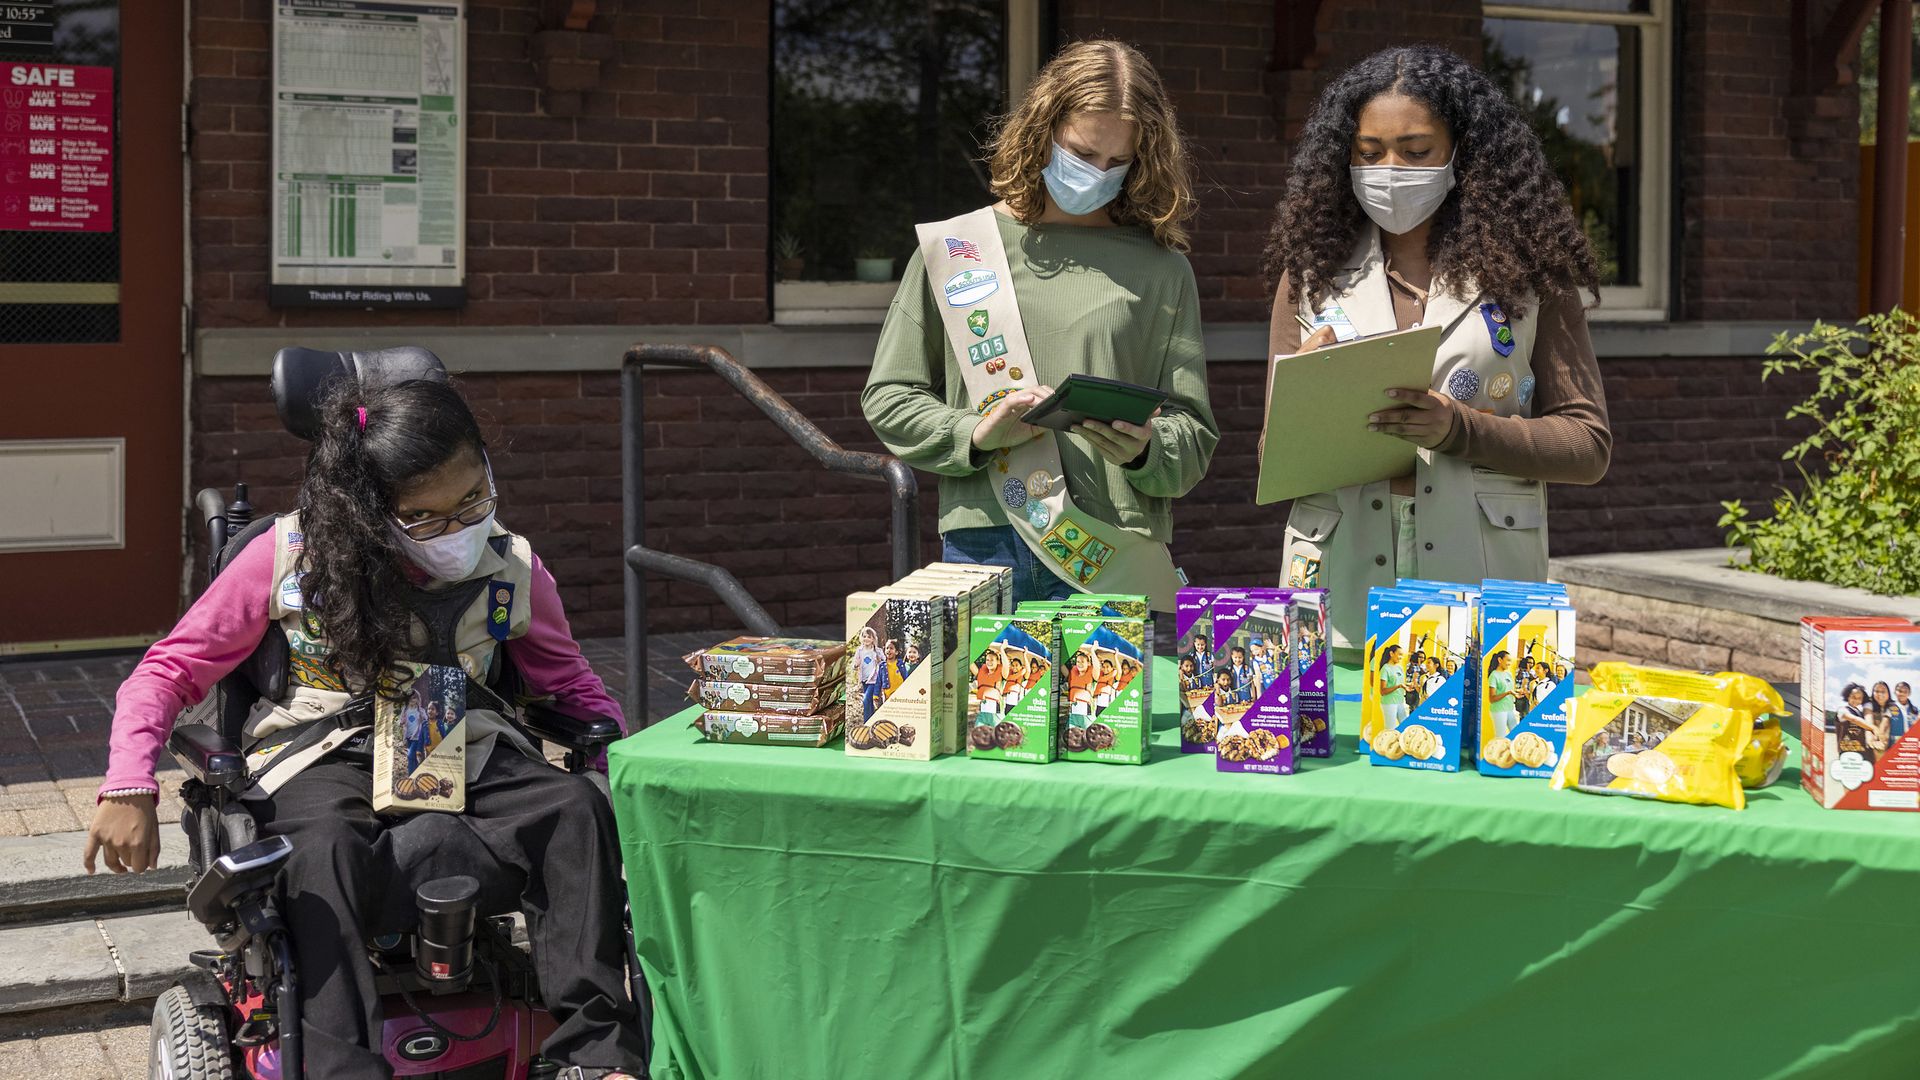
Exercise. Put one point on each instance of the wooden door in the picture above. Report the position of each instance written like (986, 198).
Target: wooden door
(91, 315)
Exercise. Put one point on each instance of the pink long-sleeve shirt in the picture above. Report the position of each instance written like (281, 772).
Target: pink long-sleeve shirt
(228, 620)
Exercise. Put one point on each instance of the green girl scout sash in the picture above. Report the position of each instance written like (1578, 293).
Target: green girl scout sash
(973, 286)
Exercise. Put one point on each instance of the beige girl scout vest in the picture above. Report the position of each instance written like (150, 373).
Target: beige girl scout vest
(1469, 522)
(315, 692)
(973, 288)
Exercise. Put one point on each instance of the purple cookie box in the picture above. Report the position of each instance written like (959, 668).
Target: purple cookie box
(1314, 700)
(1273, 711)
(1273, 708)
(1192, 610)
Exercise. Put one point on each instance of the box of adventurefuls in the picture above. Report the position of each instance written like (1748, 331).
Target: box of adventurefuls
(1002, 574)
(1858, 751)
(971, 594)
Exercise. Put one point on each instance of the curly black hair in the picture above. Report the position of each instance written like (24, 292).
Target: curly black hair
(352, 567)
(1506, 228)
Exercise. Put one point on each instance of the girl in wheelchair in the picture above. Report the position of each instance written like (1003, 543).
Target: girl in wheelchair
(397, 509)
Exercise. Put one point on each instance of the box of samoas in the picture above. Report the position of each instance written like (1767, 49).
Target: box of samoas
(1313, 673)
(1527, 665)
(1413, 722)
(1254, 701)
(1011, 696)
(1193, 660)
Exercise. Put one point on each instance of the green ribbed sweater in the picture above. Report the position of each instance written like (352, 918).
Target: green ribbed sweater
(1100, 301)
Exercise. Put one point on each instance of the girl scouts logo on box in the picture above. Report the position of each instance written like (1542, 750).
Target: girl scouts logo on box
(990, 349)
(969, 287)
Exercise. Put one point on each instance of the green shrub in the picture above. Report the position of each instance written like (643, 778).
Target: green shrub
(1857, 523)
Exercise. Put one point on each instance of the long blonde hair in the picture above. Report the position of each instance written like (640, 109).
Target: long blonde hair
(1099, 76)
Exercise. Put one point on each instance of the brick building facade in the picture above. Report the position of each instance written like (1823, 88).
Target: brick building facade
(641, 207)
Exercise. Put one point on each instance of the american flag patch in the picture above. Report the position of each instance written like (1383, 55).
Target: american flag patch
(962, 249)
(296, 541)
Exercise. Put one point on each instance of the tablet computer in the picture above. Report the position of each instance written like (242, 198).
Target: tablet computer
(1090, 397)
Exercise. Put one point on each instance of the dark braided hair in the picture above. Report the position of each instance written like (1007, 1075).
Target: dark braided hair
(354, 568)
(1506, 228)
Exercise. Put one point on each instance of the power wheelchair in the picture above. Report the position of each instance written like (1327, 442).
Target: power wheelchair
(459, 996)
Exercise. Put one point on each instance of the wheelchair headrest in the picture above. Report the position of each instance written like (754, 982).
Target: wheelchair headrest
(300, 374)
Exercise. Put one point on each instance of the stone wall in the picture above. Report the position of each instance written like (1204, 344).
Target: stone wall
(1665, 633)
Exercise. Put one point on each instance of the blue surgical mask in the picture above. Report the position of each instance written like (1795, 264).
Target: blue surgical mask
(1079, 188)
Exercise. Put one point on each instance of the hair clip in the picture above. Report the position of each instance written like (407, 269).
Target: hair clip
(361, 412)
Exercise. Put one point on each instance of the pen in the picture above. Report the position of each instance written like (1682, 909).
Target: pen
(1311, 329)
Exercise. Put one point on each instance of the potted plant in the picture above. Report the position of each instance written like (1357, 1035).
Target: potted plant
(874, 264)
(789, 258)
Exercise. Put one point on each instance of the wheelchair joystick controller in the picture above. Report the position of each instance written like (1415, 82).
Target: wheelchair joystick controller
(443, 952)
(239, 511)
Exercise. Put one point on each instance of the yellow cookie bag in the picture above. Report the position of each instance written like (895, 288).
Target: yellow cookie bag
(1764, 755)
(1655, 748)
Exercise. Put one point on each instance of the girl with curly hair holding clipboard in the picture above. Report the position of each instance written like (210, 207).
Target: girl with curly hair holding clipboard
(1419, 196)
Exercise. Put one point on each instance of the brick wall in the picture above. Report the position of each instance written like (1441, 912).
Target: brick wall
(724, 484)
(649, 206)
(1768, 218)
(1240, 117)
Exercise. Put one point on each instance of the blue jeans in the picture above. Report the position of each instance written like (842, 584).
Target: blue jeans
(999, 545)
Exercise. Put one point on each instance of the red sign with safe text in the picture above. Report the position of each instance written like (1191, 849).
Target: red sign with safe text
(56, 148)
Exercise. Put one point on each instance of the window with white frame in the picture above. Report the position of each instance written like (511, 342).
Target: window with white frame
(880, 112)
(1592, 77)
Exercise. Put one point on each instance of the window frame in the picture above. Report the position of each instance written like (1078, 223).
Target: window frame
(1647, 301)
(842, 303)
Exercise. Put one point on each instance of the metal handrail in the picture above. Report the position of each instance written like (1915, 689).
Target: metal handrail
(903, 490)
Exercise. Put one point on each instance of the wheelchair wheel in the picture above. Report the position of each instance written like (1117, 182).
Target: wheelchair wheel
(188, 1042)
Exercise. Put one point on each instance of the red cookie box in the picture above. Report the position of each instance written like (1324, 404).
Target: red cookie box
(1843, 764)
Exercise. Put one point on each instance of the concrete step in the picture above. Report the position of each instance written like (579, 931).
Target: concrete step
(41, 878)
(81, 962)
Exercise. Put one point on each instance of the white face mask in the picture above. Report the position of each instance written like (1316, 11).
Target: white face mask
(450, 556)
(1399, 197)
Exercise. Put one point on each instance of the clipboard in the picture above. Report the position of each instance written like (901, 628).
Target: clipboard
(1316, 427)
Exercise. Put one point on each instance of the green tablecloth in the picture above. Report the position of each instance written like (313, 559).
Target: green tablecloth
(800, 914)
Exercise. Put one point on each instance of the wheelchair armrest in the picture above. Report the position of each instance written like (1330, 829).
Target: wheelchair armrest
(576, 729)
(207, 756)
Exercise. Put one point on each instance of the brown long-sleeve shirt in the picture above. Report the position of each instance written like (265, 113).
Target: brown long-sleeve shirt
(1566, 441)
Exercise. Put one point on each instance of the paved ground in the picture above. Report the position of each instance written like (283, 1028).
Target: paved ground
(92, 1044)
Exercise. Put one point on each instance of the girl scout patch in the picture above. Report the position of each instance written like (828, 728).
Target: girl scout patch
(1014, 493)
(1500, 387)
(499, 607)
(1498, 332)
(1526, 390)
(1463, 384)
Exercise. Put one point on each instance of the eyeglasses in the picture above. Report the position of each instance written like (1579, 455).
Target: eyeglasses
(432, 527)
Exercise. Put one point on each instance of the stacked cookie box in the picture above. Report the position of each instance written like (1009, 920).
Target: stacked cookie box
(1255, 683)
(906, 658)
(771, 691)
